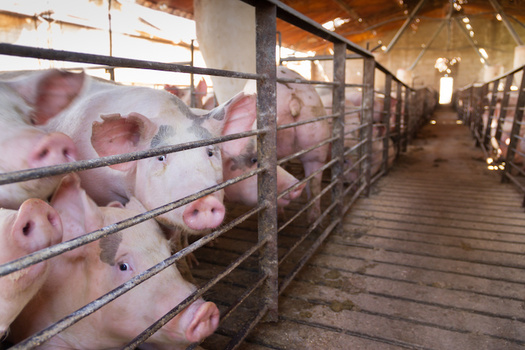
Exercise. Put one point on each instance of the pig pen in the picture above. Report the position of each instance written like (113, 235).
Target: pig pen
(256, 254)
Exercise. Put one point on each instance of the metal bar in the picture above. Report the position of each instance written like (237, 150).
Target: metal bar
(191, 298)
(427, 46)
(492, 108)
(474, 45)
(516, 126)
(307, 255)
(60, 55)
(36, 173)
(504, 104)
(506, 21)
(338, 106)
(386, 120)
(88, 309)
(399, 96)
(57, 249)
(405, 26)
(367, 116)
(266, 23)
(404, 137)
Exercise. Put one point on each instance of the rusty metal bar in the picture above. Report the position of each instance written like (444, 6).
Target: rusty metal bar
(367, 116)
(506, 21)
(36, 173)
(265, 17)
(386, 120)
(61, 55)
(492, 108)
(404, 26)
(338, 106)
(516, 127)
(88, 309)
(504, 104)
(57, 249)
(404, 136)
(192, 297)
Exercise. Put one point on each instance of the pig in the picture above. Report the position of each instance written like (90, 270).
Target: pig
(300, 102)
(107, 118)
(240, 156)
(34, 148)
(36, 225)
(86, 273)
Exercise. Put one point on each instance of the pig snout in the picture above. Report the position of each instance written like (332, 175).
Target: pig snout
(52, 149)
(37, 226)
(295, 193)
(204, 213)
(204, 322)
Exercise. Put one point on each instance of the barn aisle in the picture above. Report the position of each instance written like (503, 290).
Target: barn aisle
(433, 259)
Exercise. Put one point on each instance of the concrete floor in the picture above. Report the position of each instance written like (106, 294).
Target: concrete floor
(432, 259)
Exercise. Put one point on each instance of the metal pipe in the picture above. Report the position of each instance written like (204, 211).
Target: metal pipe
(506, 21)
(265, 16)
(405, 25)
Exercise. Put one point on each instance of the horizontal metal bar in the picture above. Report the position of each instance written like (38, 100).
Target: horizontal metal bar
(308, 254)
(60, 248)
(36, 173)
(70, 56)
(194, 296)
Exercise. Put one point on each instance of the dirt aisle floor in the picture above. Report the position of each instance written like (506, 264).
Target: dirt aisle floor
(432, 259)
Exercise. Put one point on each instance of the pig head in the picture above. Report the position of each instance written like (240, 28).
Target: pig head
(110, 119)
(36, 225)
(240, 156)
(23, 102)
(79, 276)
(300, 102)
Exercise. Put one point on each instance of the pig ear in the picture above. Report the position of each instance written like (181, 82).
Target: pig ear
(236, 115)
(78, 211)
(117, 135)
(49, 92)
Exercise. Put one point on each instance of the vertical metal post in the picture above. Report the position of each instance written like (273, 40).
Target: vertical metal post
(504, 105)
(265, 17)
(492, 108)
(338, 107)
(386, 120)
(516, 126)
(367, 117)
(399, 106)
(192, 77)
(408, 107)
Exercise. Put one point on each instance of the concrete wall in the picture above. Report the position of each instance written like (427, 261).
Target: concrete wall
(490, 34)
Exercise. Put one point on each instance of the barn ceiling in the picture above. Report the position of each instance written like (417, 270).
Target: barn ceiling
(367, 22)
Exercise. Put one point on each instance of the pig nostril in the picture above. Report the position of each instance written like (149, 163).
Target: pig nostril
(27, 229)
(43, 154)
(195, 212)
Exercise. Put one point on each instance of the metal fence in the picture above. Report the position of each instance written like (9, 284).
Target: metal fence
(494, 113)
(364, 149)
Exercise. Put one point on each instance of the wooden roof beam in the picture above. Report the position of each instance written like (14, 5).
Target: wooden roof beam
(404, 26)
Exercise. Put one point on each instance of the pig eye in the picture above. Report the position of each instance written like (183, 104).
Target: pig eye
(210, 152)
(253, 160)
(124, 267)
(162, 158)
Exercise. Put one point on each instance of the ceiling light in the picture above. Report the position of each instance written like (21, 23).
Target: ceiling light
(471, 33)
(483, 53)
(466, 20)
(468, 26)
(498, 17)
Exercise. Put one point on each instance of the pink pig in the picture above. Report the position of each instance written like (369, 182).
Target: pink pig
(20, 104)
(86, 273)
(36, 225)
(108, 119)
(300, 102)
